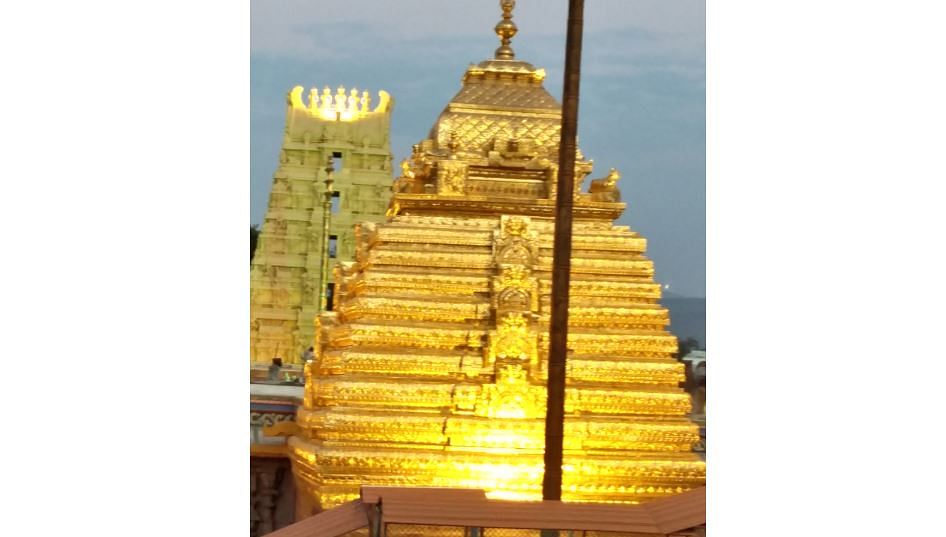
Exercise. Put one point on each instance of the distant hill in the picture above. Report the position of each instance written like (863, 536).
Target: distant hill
(687, 316)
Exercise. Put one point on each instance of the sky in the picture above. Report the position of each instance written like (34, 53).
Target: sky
(643, 92)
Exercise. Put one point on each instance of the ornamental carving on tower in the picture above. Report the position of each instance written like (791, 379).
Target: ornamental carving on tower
(513, 344)
(513, 339)
(451, 177)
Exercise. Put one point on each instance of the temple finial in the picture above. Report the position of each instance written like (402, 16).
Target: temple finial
(506, 29)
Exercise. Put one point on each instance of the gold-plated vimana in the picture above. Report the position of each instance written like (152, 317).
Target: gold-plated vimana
(431, 371)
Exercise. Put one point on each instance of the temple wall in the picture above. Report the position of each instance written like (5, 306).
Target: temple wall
(272, 487)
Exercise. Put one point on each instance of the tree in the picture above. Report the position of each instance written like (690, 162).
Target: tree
(687, 345)
(683, 349)
(254, 235)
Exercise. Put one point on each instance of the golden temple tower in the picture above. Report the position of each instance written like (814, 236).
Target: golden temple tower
(431, 371)
(287, 273)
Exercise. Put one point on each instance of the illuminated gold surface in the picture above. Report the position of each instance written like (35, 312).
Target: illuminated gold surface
(432, 369)
(342, 106)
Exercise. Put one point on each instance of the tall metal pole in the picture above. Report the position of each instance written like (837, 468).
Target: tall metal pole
(561, 258)
(326, 229)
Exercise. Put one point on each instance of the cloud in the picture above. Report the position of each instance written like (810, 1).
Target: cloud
(300, 28)
(643, 90)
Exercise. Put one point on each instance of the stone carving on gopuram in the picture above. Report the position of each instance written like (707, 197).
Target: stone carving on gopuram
(286, 272)
(432, 369)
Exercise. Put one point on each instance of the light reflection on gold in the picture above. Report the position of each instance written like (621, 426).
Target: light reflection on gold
(342, 106)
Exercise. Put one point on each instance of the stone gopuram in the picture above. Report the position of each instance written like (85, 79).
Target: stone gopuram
(432, 369)
(343, 127)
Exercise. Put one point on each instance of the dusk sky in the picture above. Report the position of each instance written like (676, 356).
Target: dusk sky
(642, 106)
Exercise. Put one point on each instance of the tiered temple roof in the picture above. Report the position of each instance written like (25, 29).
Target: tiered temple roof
(431, 371)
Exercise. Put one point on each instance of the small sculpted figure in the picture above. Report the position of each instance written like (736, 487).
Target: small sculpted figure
(606, 188)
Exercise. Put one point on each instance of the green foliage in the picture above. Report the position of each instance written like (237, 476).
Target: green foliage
(254, 235)
(687, 345)
(683, 348)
